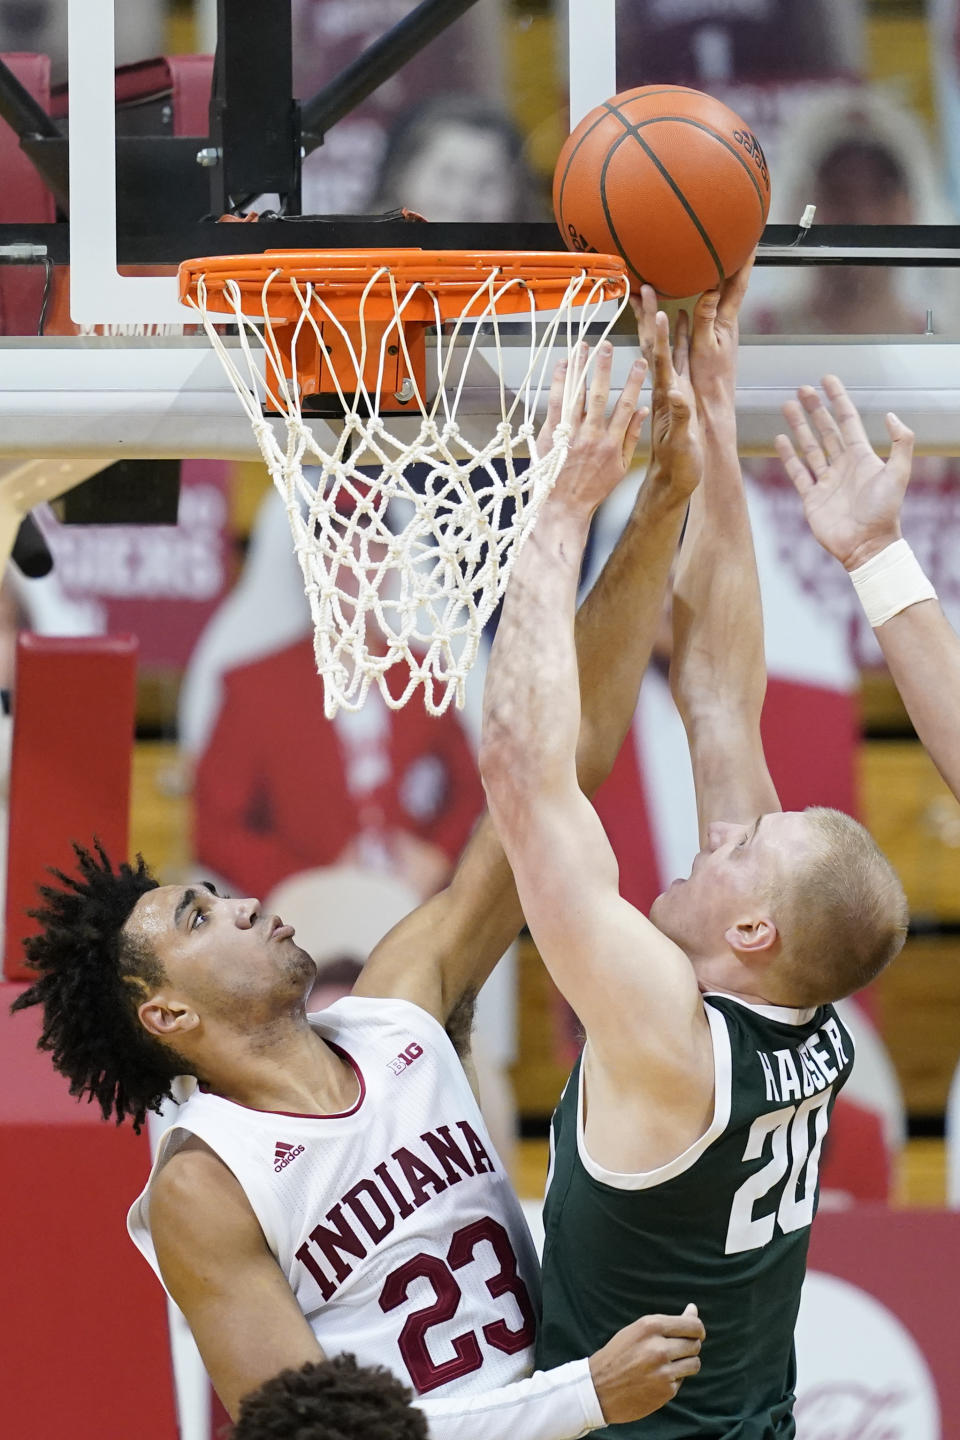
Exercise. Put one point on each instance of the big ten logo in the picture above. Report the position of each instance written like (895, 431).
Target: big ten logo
(406, 1058)
(754, 151)
(576, 241)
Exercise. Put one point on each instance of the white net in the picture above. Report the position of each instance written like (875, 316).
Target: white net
(406, 545)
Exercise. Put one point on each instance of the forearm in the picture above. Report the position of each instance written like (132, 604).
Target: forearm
(532, 706)
(923, 654)
(718, 673)
(919, 645)
(584, 693)
(479, 914)
(618, 622)
(531, 694)
(558, 1404)
(718, 617)
(531, 719)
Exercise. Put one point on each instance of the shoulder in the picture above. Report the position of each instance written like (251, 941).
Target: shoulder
(375, 1013)
(396, 1031)
(194, 1182)
(190, 1175)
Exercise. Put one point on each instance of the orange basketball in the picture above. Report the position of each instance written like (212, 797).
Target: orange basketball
(670, 179)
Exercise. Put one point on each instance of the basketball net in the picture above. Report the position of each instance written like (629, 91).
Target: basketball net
(402, 569)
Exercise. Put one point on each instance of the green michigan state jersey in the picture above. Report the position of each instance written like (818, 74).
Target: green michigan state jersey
(724, 1225)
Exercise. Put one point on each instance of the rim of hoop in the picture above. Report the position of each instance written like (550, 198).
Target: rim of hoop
(349, 274)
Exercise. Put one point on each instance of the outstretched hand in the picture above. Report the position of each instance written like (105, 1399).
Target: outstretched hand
(851, 498)
(602, 447)
(716, 336)
(676, 453)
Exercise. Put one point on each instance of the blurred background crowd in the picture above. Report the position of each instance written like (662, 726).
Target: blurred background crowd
(342, 826)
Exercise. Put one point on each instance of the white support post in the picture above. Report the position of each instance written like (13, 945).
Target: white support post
(98, 294)
(592, 32)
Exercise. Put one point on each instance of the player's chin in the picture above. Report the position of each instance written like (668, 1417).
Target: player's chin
(665, 912)
(299, 962)
(660, 909)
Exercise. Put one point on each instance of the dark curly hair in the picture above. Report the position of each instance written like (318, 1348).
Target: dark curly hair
(92, 978)
(331, 1400)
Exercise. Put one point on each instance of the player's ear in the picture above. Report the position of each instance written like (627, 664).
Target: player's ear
(164, 1018)
(753, 937)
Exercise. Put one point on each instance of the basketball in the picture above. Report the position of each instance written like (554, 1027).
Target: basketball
(670, 179)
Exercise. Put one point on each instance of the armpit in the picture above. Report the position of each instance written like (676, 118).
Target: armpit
(459, 1026)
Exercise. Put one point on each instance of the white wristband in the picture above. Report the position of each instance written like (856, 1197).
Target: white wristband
(559, 1404)
(891, 582)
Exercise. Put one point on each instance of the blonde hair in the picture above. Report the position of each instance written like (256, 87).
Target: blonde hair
(844, 916)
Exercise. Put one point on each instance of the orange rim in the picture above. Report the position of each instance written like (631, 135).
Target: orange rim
(449, 279)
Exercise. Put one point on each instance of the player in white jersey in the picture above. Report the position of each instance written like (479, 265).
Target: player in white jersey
(347, 1201)
(330, 1185)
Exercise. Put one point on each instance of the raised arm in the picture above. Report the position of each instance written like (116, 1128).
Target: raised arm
(717, 671)
(449, 945)
(852, 500)
(632, 988)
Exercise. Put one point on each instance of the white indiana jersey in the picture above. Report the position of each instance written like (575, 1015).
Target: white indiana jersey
(394, 1223)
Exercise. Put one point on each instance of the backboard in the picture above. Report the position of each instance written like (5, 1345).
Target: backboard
(99, 294)
(152, 395)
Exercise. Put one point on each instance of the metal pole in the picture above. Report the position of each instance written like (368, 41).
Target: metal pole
(22, 113)
(377, 63)
(30, 122)
(254, 121)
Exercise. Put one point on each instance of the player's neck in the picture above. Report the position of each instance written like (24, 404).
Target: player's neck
(286, 1067)
(728, 974)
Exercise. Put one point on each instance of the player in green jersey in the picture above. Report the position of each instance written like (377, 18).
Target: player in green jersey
(687, 1141)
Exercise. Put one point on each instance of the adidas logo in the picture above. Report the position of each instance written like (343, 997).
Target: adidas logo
(284, 1155)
